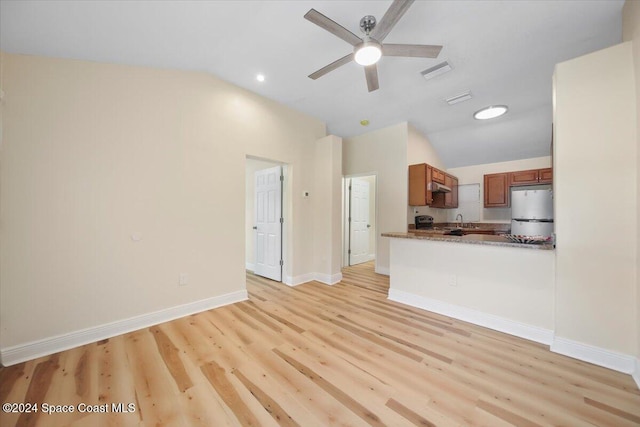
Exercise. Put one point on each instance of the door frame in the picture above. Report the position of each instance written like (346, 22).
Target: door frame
(345, 214)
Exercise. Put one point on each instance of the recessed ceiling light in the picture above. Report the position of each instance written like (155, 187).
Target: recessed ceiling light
(260, 77)
(490, 112)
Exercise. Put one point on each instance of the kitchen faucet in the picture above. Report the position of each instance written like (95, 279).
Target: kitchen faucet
(461, 220)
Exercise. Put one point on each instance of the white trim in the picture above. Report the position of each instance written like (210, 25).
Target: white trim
(522, 330)
(298, 280)
(636, 373)
(596, 355)
(34, 349)
(249, 266)
(327, 279)
(382, 270)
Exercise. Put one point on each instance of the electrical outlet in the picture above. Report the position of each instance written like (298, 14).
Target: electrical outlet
(452, 280)
(184, 279)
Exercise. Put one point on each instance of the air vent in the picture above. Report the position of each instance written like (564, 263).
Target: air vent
(459, 98)
(436, 70)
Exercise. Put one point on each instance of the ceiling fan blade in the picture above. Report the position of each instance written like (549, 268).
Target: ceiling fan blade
(371, 73)
(332, 26)
(335, 64)
(390, 18)
(411, 50)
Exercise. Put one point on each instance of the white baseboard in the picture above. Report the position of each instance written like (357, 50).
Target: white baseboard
(636, 373)
(382, 270)
(327, 279)
(249, 266)
(298, 280)
(530, 332)
(596, 355)
(32, 350)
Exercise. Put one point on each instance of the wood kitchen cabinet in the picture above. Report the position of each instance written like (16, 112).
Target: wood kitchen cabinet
(530, 177)
(439, 176)
(496, 185)
(420, 176)
(447, 200)
(496, 190)
(545, 176)
(524, 177)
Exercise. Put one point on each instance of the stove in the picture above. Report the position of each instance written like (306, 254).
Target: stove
(424, 221)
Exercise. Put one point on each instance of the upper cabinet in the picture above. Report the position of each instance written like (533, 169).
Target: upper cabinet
(420, 193)
(419, 177)
(439, 176)
(447, 200)
(546, 176)
(496, 190)
(496, 185)
(530, 177)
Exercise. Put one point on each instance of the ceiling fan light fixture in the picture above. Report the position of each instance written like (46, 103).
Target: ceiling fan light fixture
(368, 52)
(490, 112)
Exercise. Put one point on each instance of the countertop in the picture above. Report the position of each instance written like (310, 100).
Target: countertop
(476, 239)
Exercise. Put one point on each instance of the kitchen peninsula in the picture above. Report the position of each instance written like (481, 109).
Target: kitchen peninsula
(483, 279)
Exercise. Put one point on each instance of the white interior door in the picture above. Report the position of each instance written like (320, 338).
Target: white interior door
(359, 224)
(268, 223)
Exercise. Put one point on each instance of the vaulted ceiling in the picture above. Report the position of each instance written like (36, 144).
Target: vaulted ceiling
(502, 51)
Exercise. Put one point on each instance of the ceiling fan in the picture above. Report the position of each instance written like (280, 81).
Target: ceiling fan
(369, 49)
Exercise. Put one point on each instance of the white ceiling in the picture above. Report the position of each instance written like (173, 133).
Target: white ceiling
(502, 51)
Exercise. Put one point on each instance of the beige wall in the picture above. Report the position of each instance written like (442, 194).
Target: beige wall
(382, 153)
(595, 184)
(475, 175)
(631, 32)
(327, 193)
(94, 153)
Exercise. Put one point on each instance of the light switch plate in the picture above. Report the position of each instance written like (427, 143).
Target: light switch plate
(184, 279)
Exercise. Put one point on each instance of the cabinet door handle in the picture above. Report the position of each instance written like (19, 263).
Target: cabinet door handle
(255, 227)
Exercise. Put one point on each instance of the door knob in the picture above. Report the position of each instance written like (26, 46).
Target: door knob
(255, 227)
(368, 225)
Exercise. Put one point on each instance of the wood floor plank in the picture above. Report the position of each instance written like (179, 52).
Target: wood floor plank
(316, 355)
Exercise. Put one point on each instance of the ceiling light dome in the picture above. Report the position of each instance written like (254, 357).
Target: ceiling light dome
(368, 52)
(490, 112)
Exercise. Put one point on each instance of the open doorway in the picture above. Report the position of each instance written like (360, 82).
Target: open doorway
(359, 219)
(264, 212)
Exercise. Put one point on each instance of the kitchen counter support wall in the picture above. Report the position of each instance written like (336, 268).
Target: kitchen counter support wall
(506, 289)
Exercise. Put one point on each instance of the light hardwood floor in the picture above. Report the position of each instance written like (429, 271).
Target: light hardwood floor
(318, 355)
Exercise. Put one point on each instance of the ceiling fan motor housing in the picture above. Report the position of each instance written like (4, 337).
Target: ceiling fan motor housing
(367, 24)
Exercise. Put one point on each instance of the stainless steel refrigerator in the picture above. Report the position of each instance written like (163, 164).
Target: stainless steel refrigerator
(532, 211)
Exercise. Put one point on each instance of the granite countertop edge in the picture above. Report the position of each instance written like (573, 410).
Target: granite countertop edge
(474, 239)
